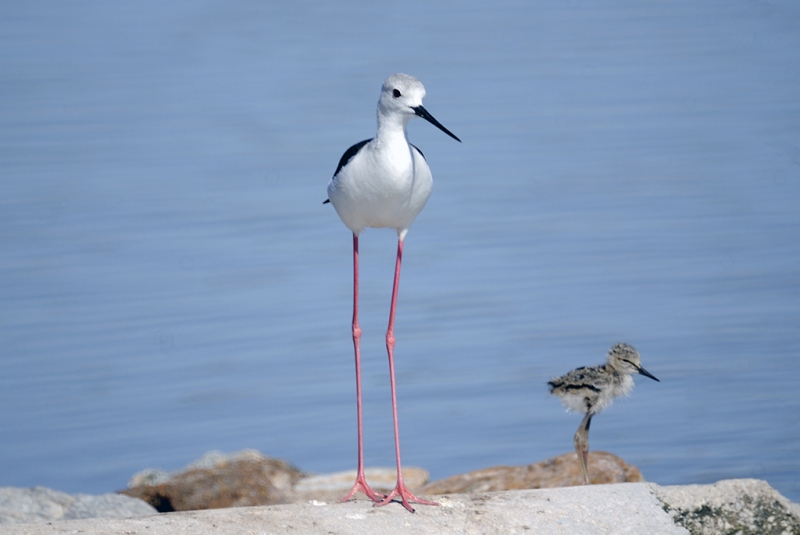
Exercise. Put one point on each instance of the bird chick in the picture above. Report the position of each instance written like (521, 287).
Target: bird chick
(590, 389)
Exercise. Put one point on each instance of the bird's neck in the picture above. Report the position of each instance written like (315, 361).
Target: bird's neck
(613, 371)
(391, 129)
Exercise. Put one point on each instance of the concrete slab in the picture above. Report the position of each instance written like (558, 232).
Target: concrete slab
(629, 508)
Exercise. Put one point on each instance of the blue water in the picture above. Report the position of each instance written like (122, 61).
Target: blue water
(170, 282)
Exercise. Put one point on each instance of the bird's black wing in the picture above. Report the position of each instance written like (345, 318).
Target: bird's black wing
(347, 156)
(419, 151)
(349, 153)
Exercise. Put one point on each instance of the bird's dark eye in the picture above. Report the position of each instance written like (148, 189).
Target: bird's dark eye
(396, 93)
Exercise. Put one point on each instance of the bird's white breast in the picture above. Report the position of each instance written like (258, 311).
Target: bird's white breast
(621, 385)
(385, 185)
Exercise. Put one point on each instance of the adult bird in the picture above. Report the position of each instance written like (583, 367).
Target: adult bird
(591, 389)
(384, 182)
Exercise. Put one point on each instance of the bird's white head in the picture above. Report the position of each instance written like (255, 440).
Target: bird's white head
(401, 99)
(400, 94)
(624, 358)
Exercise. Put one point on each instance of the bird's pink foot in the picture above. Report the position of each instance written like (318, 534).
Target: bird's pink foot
(402, 492)
(361, 485)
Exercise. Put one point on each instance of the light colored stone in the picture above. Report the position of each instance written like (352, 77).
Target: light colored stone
(741, 506)
(106, 506)
(561, 471)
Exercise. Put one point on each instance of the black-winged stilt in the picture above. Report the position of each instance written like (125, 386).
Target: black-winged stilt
(384, 182)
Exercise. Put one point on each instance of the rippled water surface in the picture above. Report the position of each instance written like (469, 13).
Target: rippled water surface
(170, 282)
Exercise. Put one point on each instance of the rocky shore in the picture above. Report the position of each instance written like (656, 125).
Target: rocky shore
(249, 478)
(213, 491)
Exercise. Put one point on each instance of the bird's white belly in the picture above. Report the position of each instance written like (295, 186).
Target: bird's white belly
(578, 402)
(380, 192)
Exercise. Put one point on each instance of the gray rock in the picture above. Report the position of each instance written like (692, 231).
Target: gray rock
(37, 504)
(735, 506)
(107, 506)
(40, 504)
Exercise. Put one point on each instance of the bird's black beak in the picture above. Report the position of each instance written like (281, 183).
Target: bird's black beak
(422, 112)
(647, 374)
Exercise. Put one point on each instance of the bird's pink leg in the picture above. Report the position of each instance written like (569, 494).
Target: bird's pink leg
(400, 490)
(361, 481)
(582, 446)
